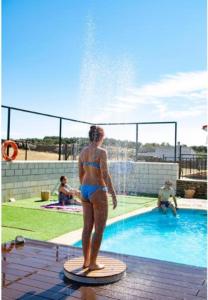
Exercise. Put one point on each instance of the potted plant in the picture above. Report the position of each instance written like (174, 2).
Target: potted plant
(190, 192)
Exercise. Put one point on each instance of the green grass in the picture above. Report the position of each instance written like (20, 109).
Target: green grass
(25, 217)
(34, 202)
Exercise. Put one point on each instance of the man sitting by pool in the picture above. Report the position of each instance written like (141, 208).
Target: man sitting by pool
(164, 195)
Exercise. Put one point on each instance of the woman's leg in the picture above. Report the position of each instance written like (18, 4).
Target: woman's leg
(87, 231)
(99, 201)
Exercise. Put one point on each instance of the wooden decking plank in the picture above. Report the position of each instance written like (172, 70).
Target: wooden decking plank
(9, 277)
(12, 294)
(148, 291)
(48, 273)
(99, 292)
(157, 280)
(37, 270)
(42, 278)
(148, 283)
(151, 261)
(154, 279)
(41, 285)
(122, 293)
(17, 290)
(34, 258)
(37, 254)
(159, 268)
(29, 262)
(14, 266)
(194, 298)
(191, 278)
(202, 292)
(20, 273)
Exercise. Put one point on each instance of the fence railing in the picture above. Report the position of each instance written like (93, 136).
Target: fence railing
(193, 167)
(61, 119)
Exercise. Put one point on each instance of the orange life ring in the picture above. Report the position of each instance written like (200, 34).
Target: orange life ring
(14, 146)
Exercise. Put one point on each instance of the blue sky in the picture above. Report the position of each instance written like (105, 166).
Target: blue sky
(106, 61)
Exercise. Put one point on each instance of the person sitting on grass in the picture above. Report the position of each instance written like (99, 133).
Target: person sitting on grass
(165, 193)
(66, 193)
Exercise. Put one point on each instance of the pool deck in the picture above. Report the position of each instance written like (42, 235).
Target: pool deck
(35, 271)
(74, 236)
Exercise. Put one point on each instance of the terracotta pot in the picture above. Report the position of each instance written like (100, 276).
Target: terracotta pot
(45, 195)
(189, 193)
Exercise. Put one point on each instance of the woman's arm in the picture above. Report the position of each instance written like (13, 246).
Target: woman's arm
(81, 170)
(65, 191)
(106, 177)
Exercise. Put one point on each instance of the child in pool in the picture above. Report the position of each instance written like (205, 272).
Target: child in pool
(66, 193)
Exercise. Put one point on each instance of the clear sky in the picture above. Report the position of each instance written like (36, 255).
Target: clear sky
(106, 61)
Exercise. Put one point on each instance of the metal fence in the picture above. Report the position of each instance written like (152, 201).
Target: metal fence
(193, 166)
(61, 119)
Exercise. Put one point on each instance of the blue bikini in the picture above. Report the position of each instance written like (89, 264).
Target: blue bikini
(88, 190)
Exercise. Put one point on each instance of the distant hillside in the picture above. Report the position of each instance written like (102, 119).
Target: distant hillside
(109, 142)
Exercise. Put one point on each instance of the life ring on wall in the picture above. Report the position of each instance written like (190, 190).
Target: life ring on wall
(14, 146)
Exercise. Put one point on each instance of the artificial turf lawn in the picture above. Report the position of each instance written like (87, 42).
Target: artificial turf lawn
(25, 217)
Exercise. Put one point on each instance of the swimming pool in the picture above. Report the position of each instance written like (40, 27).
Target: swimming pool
(180, 239)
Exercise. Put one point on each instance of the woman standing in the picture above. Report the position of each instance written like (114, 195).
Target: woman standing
(95, 183)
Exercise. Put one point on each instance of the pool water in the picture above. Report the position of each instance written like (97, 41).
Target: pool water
(180, 239)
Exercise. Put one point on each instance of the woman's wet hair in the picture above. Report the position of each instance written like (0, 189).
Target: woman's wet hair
(96, 133)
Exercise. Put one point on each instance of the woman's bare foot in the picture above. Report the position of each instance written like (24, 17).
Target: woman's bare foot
(85, 266)
(96, 267)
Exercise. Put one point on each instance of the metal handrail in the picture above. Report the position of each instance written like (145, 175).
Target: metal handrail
(61, 118)
(46, 115)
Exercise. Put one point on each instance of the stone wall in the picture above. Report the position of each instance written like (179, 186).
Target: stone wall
(199, 185)
(142, 177)
(22, 180)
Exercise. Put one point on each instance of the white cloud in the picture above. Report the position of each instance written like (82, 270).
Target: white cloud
(108, 88)
(175, 96)
(178, 85)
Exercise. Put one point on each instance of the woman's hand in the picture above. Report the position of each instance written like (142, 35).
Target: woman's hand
(114, 200)
(75, 193)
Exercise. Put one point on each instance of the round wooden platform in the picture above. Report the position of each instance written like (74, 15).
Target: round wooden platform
(114, 270)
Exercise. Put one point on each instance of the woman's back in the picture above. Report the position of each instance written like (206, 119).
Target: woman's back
(90, 159)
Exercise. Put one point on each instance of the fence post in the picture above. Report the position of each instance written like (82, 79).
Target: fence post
(179, 169)
(136, 156)
(26, 150)
(8, 126)
(66, 150)
(175, 150)
(60, 137)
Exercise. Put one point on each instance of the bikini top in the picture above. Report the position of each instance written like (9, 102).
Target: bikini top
(91, 164)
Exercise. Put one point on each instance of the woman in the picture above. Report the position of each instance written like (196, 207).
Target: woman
(66, 193)
(95, 183)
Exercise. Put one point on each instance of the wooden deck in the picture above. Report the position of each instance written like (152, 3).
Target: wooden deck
(35, 271)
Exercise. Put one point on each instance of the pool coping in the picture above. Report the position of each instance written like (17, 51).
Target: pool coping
(74, 236)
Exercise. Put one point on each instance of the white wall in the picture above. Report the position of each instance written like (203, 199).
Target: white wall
(26, 179)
